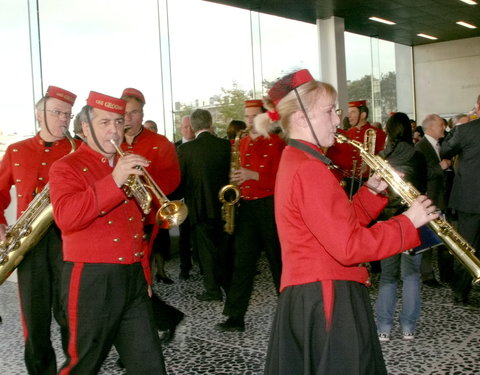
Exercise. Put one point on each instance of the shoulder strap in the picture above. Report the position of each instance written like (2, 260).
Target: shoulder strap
(302, 146)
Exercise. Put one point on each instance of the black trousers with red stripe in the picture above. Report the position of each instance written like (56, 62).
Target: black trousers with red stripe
(108, 304)
(39, 287)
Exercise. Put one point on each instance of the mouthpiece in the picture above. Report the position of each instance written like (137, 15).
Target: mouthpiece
(341, 138)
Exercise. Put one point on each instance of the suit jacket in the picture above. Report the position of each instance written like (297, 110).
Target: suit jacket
(435, 175)
(464, 141)
(205, 167)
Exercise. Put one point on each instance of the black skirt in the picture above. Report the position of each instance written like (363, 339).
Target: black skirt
(300, 343)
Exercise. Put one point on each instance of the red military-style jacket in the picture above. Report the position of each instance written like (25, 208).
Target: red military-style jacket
(346, 156)
(99, 223)
(262, 155)
(26, 165)
(164, 167)
(323, 235)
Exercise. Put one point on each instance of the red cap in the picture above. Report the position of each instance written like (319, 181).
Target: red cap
(288, 83)
(107, 103)
(358, 103)
(254, 103)
(135, 93)
(60, 94)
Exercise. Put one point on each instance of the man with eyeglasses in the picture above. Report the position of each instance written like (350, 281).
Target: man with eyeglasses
(26, 165)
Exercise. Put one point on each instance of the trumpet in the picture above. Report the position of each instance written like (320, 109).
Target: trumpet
(170, 214)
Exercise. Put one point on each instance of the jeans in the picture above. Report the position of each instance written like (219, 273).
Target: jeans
(407, 268)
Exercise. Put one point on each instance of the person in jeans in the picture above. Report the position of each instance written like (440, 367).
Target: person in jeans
(402, 155)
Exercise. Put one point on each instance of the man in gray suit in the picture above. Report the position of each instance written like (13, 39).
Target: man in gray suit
(429, 146)
(464, 141)
(205, 168)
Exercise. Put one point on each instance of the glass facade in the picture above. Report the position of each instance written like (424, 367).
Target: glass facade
(372, 74)
(182, 54)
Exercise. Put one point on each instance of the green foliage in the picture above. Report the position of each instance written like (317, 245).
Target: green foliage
(386, 97)
(229, 105)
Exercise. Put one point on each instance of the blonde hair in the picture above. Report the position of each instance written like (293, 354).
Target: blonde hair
(309, 93)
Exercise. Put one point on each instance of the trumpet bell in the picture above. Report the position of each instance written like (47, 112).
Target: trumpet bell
(171, 214)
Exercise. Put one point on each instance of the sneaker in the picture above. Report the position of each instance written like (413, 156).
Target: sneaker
(384, 337)
(408, 335)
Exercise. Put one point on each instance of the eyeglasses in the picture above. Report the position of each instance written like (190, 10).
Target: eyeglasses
(135, 112)
(60, 113)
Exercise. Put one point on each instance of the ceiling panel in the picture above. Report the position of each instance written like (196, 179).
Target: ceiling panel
(434, 17)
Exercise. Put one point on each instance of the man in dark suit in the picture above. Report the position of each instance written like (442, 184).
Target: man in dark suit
(205, 166)
(429, 146)
(464, 141)
(184, 241)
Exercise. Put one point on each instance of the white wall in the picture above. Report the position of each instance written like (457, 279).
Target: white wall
(447, 77)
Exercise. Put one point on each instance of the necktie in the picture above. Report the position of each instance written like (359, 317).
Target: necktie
(437, 148)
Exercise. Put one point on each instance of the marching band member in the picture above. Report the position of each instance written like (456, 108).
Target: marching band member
(26, 165)
(104, 286)
(348, 157)
(324, 322)
(255, 228)
(164, 169)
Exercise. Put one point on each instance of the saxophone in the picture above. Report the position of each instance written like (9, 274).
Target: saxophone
(458, 246)
(229, 195)
(369, 141)
(28, 229)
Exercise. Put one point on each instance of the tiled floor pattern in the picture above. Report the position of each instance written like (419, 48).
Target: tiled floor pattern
(447, 340)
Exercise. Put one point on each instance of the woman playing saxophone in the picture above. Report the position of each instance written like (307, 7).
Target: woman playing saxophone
(324, 317)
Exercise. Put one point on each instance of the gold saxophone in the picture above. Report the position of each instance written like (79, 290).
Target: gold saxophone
(170, 213)
(28, 229)
(458, 246)
(229, 195)
(369, 141)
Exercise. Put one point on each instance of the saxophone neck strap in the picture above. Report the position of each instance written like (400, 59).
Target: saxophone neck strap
(318, 155)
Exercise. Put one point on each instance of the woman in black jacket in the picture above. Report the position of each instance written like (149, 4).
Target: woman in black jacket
(402, 156)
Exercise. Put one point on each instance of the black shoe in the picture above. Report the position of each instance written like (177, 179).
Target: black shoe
(184, 275)
(231, 325)
(459, 299)
(119, 363)
(166, 336)
(432, 283)
(209, 297)
(163, 279)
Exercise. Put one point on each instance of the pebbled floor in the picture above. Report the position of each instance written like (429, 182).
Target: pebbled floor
(447, 340)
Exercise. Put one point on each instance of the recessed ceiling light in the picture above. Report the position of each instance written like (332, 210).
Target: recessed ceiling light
(382, 20)
(469, 2)
(427, 36)
(465, 24)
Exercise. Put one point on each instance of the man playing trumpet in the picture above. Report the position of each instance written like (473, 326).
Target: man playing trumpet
(104, 287)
